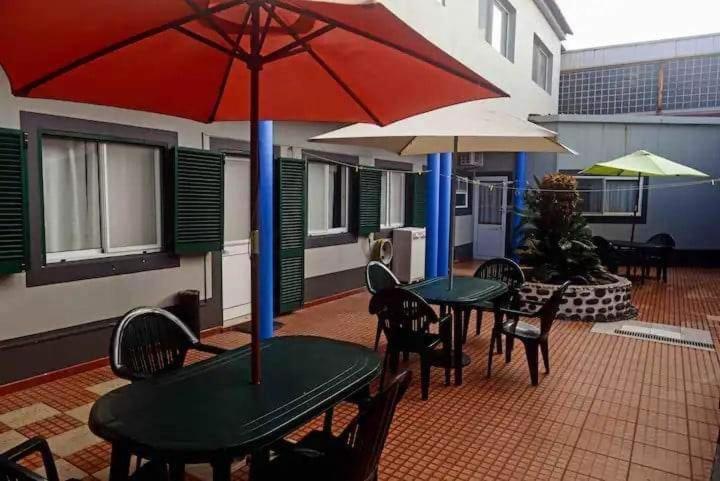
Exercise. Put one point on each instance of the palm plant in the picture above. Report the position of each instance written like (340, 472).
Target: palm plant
(558, 242)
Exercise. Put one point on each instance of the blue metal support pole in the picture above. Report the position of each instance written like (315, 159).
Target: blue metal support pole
(267, 234)
(432, 192)
(444, 214)
(518, 239)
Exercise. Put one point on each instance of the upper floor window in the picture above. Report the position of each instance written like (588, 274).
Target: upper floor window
(392, 200)
(611, 196)
(501, 27)
(327, 198)
(100, 198)
(542, 68)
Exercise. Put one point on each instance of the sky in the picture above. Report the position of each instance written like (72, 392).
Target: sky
(607, 22)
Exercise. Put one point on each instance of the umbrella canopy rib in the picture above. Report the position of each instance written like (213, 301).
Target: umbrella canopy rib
(330, 71)
(389, 44)
(25, 90)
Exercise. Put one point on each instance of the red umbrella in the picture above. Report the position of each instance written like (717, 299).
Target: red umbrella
(338, 60)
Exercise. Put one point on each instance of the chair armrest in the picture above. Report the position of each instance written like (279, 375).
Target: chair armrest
(517, 313)
(31, 446)
(209, 348)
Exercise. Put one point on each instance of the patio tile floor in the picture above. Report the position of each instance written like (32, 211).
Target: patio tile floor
(613, 408)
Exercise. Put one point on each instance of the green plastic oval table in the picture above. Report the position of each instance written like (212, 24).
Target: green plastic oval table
(466, 293)
(209, 412)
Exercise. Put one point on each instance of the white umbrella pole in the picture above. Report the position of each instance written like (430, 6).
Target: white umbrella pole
(453, 192)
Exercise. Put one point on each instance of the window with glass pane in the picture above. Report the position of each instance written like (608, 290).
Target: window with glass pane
(591, 195)
(237, 200)
(542, 65)
(327, 198)
(490, 203)
(461, 194)
(609, 195)
(100, 198)
(501, 27)
(392, 200)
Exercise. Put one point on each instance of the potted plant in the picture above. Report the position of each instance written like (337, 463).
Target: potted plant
(558, 247)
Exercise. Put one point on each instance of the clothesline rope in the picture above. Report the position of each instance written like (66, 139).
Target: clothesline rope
(508, 184)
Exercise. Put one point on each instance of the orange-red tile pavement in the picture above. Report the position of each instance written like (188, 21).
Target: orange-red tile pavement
(613, 408)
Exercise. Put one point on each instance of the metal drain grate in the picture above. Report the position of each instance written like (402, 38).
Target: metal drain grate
(665, 339)
(663, 333)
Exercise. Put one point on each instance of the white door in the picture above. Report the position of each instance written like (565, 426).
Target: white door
(489, 215)
(236, 254)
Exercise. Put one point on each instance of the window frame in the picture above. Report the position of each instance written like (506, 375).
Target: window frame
(507, 48)
(540, 47)
(386, 207)
(105, 251)
(606, 213)
(466, 204)
(331, 230)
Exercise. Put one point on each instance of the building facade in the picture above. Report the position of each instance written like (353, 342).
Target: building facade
(661, 96)
(100, 216)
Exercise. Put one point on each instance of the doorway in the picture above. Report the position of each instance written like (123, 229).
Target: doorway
(236, 251)
(489, 216)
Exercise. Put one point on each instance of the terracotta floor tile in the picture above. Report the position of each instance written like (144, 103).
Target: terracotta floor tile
(612, 408)
(661, 459)
(643, 473)
(662, 439)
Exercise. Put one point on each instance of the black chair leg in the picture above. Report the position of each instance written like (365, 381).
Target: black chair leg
(406, 356)
(545, 355)
(378, 333)
(478, 322)
(531, 351)
(509, 342)
(328, 421)
(177, 472)
(425, 377)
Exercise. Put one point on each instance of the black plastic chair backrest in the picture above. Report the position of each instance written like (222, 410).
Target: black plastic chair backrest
(548, 312)
(379, 277)
(367, 436)
(403, 315)
(149, 341)
(662, 239)
(12, 471)
(503, 270)
(602, 245)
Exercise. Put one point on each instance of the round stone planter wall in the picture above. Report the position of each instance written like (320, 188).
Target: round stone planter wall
(594, 303)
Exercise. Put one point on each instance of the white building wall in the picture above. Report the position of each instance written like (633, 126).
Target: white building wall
(458, 28)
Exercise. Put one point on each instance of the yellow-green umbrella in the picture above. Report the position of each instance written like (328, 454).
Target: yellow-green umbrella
(642, 163)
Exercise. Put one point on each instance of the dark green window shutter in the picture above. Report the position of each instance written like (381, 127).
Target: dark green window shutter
(369, 201)
(415, 201)
(199, 198)
(13, 202)
(290, 234)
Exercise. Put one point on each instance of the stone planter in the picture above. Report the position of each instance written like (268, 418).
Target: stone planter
(594, 303)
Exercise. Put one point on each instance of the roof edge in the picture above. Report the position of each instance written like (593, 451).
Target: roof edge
(626, 119)
(552, 13)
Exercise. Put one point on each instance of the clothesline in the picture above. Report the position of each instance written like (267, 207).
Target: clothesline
(509, 183)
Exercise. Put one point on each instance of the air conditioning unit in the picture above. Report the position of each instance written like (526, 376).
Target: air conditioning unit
(470, 159)
(409, 254)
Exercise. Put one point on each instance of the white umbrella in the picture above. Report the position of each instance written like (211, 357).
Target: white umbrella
(476, 126)
(467, 127)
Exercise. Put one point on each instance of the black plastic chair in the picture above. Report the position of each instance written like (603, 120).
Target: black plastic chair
(533, 337)
(660, 260)
(406, 320)
(377, 278)
(506, 271)
(352, 456)
(149, 341)
(608, 256)
(11, 470)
